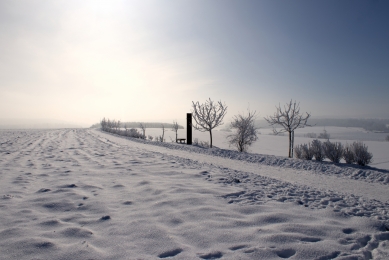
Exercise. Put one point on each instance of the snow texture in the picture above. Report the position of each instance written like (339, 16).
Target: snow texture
(352, 171)
(84, 194)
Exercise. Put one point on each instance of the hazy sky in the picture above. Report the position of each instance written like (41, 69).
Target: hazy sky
(79, 61)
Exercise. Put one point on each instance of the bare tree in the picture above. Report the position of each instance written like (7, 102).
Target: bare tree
(104, 124)
(208, 116)
(125, 129)
(245, 132)
(289, 119)
(161, 138)
(143, 127)
(118, 125)
(175, 128)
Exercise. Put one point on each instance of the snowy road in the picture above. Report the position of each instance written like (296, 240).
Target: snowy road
(300, 177)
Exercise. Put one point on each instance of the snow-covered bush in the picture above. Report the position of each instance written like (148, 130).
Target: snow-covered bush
(357, 153)
(317, 150)
(298, 152)
(348, 154)
(333, 151)
(306, 152)
(245, 133)
(204, 144)
(303, 151)
(361, 155)
(134, 133)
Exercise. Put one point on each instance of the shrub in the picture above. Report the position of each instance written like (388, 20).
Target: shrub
(306, 152)
(361, 155)
(298, 152)
(387, 138)
(303, 151)
(245, 133)
(348, 154)
(204, 144)
(134, 133)
(333, 151)
(317, 150)
(150, 138)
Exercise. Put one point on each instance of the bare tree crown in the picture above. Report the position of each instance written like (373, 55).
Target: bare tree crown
(208, 115)
(289, 118)
(175, 126)
(143, 127)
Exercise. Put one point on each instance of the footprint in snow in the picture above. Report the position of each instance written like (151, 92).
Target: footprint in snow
(234, 248)
(43, 190)
(105, 218)
(348, 230)
(310, 239)
(286, 253)
(69, 186)
(212, 255)
(170, 253)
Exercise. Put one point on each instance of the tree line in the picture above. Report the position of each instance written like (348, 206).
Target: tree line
(136, 125)
(209, 115)
(116, 127)
(375, 125)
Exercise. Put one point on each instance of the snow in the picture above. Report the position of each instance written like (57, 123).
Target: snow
(278, 145)
(85, 194)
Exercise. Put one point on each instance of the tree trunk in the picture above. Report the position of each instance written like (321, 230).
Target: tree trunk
(290, 143)
(176, 136)
(210, 134)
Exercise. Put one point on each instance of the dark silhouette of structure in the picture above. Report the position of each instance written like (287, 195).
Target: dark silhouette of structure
(189, 128)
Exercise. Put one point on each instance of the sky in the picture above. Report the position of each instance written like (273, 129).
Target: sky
(80, 61)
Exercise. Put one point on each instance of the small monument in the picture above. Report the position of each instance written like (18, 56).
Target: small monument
(189, 128)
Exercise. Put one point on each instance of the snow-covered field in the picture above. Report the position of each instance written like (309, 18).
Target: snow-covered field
(85, 194)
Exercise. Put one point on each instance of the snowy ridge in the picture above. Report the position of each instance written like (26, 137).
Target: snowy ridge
(355, 172)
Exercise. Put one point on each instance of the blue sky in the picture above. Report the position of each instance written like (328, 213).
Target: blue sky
(79, 61)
